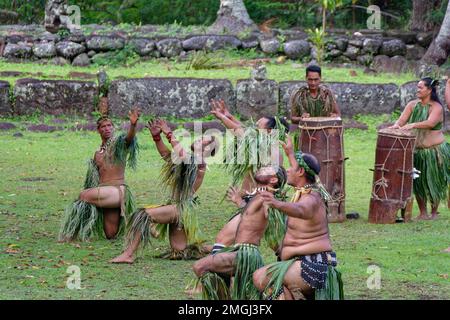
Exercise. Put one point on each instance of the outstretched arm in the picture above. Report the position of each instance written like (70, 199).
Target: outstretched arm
(404, 117)
(221, 112)
(302, 210)
(162, 124)
(155, 131)
(133, 115)
(222, 107)
(288, 148)
(433, 119)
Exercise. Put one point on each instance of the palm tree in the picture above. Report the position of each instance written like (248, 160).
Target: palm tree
(232, 18)
(328, 5)
(439, 50)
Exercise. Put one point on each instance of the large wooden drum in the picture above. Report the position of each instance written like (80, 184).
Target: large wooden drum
(323, 138)
(392, 176)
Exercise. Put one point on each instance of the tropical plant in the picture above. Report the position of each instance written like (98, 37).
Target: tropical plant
(330, 6)
(318, 39)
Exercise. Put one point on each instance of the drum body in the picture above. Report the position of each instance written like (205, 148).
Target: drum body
(392, 176)
(323, 138)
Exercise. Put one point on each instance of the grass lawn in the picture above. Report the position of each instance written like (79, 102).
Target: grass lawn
(287, 71)
(43, 172)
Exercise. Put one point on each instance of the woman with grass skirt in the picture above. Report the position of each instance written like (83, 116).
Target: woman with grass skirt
(183, 174)
(105, 205)
(432, 152)
(250, 141)
(243, 257)
(307, 266)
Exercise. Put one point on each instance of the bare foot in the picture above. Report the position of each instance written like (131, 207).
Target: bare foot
(207, 248)
(423, 217)
(446, 250)
(434, 216)
(123, 258)
(153, 230)
(193, 291)
(65, 240)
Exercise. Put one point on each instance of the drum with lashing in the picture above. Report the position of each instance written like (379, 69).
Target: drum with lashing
(392, 176)
(323, 138)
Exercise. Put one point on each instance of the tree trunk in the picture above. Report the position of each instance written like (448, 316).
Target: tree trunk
(439, 50)
(421, 11)
(232, 18)
(324, 19)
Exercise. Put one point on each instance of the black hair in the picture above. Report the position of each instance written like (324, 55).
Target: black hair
(314, 68)
(430, 83)
(272, 123)
(281, 176)
(101, 119)
(313, 164)
(213, 140)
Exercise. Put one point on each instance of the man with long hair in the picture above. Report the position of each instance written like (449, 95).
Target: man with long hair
(183, 173)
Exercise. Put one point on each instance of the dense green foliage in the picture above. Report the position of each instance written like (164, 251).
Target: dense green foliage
(287, 13)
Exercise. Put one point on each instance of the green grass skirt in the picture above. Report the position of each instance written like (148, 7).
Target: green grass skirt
(248, 260)
(333, 289)
(276, 229)
(84, 221)
(434, 165)
(213, 287)
(140, 224)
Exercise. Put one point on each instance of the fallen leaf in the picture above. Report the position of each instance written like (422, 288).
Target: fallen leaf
(12, 251)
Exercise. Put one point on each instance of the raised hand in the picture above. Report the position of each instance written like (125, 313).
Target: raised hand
(162, 124)
(234, 196)
(216, 109)
(133, 115)
(153, 128)
(288, 146)
(224, 109)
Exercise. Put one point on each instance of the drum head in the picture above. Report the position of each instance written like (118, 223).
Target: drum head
(397, 132)
(320, 122)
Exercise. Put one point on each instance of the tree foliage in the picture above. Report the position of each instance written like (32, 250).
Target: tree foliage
(288, 13)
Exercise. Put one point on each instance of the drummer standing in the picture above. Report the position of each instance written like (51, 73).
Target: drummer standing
(313, 100)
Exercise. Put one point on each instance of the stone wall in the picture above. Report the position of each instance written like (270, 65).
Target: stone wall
(83, 48)
(177, 97)
(408, 92)
(54, 97)
(189, 98)
(352, 98)
(5, 103)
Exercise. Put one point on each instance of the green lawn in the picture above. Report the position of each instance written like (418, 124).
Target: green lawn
(33, 265)
(165, 68)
